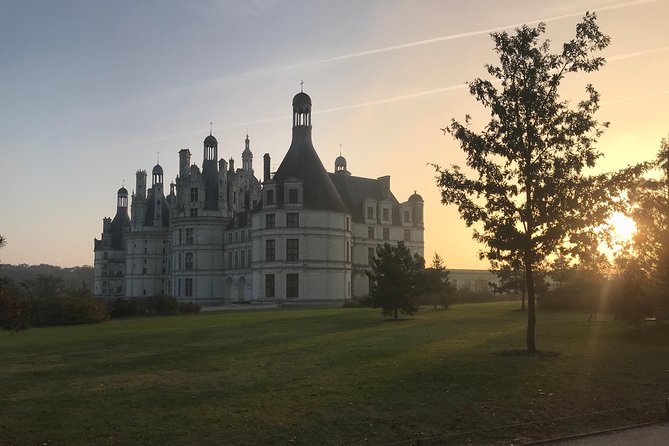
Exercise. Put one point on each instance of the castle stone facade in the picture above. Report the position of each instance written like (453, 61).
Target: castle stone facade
(301, 235)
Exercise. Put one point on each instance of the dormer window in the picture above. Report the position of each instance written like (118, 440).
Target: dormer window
(370, 212)
(292, 195)
(270, 197)
(385, 214)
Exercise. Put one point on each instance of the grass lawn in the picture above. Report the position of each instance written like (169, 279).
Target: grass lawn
(327, 376)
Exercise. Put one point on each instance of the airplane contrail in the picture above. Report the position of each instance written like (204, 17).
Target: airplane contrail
(458, 36)
(634, 98)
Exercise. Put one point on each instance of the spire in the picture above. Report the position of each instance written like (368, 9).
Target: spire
(301, 86)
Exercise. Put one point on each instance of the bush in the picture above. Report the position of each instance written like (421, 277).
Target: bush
(67, 310)
(14, 313)
(145, 306)
(189, 307)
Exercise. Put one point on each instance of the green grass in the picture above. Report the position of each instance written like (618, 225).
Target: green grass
(326, 376)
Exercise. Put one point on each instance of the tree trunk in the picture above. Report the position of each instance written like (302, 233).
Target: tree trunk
(522, 299)
(395, 317)
(531, 317)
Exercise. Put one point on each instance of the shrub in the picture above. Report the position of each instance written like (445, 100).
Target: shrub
(14, 314)
(143, 306)
(67, 310)
(189, 307)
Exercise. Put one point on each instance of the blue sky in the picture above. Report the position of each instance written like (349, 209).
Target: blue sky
(92, 90)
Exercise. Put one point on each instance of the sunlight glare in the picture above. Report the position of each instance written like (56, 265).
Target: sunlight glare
(623, 227)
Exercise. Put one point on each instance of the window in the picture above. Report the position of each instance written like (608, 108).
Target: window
(230, 259)
(348, 251)
(179, 287)
(229, 237)
(193, 212)
(386, 233)
(193, 194)
(179, 262)
(269, 285)
(269, 250)
(248, 258)
(270, 197)
(292, 220)
(292, 196)
(407, 217)
(269, 221)
(189, 236)
(292, 249)
(407, 235)
(243, 259)
(370, 256)
(189, 261)
(180, 236)
(370, 232)
(144, 270)
(236, 259)
(292, 285)
(146, 250)
(188, 292)
(370, 213)
(104, 255)
(242, 235)
(385, 214)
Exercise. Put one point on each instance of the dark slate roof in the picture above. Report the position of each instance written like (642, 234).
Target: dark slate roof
(210, 141)
(150, 211)
(118, 225)
(301, 98)
(157, 169)
(415, 197)
(302, 162)
(122, 191)
(354, 190)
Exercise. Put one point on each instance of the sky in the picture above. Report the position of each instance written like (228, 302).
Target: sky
(92, 90)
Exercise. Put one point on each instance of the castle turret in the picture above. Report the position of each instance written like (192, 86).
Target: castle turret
(247, 156)
(266, 169)
(184, 163)
(210, 173)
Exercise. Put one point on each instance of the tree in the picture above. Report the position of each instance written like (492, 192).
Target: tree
(511, 280)
(650, 245)
(529, 197)
(437, 284)
(396, 280)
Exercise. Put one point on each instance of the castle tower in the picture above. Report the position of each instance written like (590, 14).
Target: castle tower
(210, 173)
(247, 156)
(158, 196)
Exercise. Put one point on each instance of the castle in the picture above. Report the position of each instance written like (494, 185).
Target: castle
(302, 235)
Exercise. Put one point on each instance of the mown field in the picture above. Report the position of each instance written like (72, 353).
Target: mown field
(328, 376)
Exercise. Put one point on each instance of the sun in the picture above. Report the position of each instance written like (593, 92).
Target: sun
(623, 227)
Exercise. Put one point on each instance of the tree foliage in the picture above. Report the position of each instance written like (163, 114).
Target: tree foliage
(437, 284)
(529, 197)
(648, 258)
(396, 280)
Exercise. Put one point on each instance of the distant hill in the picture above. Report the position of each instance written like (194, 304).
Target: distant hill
(73, 277)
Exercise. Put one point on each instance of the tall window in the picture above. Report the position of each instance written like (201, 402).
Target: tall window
(270, 197)
(248, 258)
(181, 236)
(292, 220)
(193, 212)
(292, 249)
(370, 232)
(189, 261)
(243, 259)
(348, 252)
(188, 292)
(370, 212)
(370, 256)
(269, 221)
(292, 196)
(407, 216)
(188, 233)
(385, 214)
(407, 235)
(386, 233)
(292, 285)
(270, 249)
(230, 259)
(193, 194)
(269, 285)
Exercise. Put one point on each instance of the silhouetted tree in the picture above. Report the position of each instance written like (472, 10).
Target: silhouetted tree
(650, 245)
(437, 284)
(396, 280)
(529, 197)
(511, 278)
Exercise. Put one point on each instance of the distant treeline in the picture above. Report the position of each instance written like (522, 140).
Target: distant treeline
(77, 277)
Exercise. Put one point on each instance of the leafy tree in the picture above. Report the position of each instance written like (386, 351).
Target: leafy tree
(511, 278)
(529, 197)
(650, 245)
(437, 284)
(3, 241)
(396, 280)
